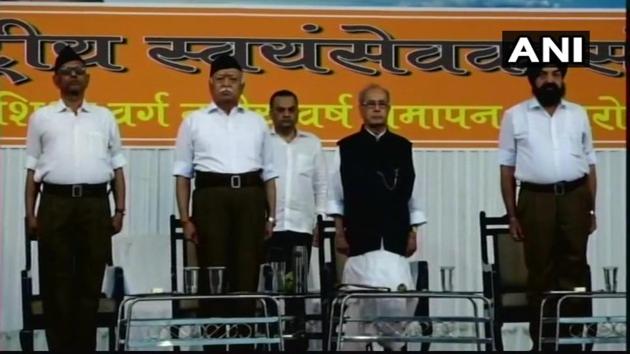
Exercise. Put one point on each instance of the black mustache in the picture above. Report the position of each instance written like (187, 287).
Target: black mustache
(549, 87)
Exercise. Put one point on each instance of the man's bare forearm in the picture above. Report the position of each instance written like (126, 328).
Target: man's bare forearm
(508, 189)
(30, 193)
(592, 185)
(338, 222)
(182, 191)
(270, 192)
(119, 188)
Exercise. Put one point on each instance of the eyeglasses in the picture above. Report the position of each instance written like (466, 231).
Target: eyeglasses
(284, 109)
(72, 70)
(374, 104)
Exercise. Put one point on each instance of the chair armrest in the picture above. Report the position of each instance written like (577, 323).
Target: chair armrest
(113, 283)
(25, 273)
(489, 271)
(27, 297)
(422, 280)
(119, 284)
(27, 284)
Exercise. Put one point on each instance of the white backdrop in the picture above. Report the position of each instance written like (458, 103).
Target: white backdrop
(455, 185)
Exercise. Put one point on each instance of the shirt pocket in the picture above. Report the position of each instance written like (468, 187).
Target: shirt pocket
(250, 144)
(521, 129)
(304, 164)
(573, 142)
(98, 144)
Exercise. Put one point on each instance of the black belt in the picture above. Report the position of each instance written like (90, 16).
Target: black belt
(211, 179)
(558, 188)
(76, 190)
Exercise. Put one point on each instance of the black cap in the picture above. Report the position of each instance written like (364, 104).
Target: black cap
(65, 55)
(224, 61)
(533, 70)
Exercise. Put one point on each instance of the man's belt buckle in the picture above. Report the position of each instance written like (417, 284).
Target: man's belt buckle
(559, 188)
(77, 190)
(235, 181)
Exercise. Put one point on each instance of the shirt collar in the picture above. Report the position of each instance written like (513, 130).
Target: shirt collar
(60, 106)
(376, 136)
(298, 133)
(534, 104)
(214, 108)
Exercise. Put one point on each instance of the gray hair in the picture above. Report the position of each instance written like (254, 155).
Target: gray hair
(370, 87)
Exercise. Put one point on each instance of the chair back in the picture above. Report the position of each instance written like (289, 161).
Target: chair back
(510, 259)
(327, 253)
(503, 263)
(178, 246)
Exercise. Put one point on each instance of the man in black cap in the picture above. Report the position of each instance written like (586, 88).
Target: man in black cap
(546, 144)
(73, 150)
(227, 149)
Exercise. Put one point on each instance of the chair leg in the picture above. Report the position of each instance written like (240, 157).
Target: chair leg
(591, 332)
(486, 331)
(175, 335)
(111, 338)
(426, 332)
(498, 338)
(26, 340)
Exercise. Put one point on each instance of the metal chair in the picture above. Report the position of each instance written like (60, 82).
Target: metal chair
(327, 270)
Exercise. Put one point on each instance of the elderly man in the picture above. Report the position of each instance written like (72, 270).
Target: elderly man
(371, 197)
(227, 149)
(73, 151)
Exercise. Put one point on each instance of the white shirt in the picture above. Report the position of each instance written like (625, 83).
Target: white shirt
(64, 148)
(546, 149)
(335, 192)
(211, 141)
(301, 186)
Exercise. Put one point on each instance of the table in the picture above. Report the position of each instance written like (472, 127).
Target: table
(618, 335)
(299, 332)
(126, 321)
(341, 302)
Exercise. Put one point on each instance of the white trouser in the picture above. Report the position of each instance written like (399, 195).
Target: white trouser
(384, 269)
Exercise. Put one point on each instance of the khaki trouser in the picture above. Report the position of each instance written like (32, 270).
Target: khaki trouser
(556, 232)
(230, 225)
(74, 246)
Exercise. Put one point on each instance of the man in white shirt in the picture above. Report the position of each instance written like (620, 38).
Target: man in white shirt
(301, 188)
(227, 149)
(73, 151)
(374, 203)
(546, 143)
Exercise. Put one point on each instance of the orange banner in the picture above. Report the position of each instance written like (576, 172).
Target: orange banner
(150, 67)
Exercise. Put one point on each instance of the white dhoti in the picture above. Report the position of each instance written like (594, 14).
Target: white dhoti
(382, 269)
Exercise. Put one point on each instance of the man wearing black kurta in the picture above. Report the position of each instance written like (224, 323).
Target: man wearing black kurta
(371, 198)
